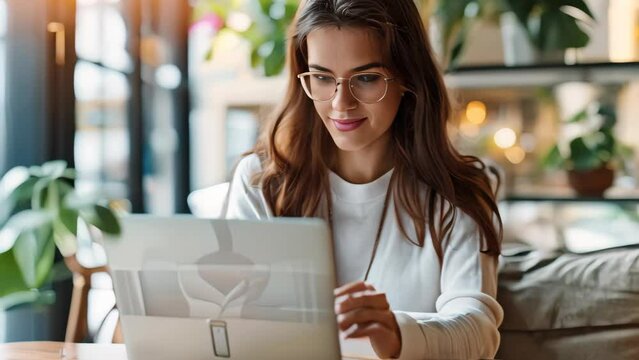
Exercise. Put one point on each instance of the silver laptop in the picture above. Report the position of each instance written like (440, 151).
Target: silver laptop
(190, 288)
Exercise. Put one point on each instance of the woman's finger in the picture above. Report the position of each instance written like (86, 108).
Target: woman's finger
(365, 315)
(353, 287)
(367, 330)
(365, 299)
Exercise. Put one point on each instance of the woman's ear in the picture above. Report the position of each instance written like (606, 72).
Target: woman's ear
(404, 90)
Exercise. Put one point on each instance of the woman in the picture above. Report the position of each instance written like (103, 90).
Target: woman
(361, 141)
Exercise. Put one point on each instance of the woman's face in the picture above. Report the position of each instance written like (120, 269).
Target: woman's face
(353, 125)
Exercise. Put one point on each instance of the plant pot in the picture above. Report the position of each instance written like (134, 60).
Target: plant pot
(591, 183)
(38, 322)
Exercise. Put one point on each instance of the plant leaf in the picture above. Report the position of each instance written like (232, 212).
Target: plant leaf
(103, 218)
(25, 251)
(582, 157)
(559, 30)
(38, 197)
(54, 169)
(27, 220)
(579, 4)
(10, 276)
(275, 61)
(69, 218)
(553, 158)
(44, 263)
(65, 240)
(34, 296)
(578, 117)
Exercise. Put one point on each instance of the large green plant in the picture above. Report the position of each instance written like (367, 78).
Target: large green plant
(39, 211)
(266, 34)
(550, 24)
(595, 148)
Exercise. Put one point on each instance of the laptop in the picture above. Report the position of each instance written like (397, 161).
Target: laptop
(191, 288)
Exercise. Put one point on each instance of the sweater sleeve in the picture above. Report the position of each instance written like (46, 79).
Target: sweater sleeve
(245, 199)
(466, 323)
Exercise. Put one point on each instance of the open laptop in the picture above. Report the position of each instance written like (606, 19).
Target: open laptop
(190, 288)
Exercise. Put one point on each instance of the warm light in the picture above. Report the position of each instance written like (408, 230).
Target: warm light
(168, 76)
(622, 33)
(505, 138)
(476, 112)
(515, 154)
(468, 130)
(238, 21)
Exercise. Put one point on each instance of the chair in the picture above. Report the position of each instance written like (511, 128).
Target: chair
(77, 323)
(208, 202)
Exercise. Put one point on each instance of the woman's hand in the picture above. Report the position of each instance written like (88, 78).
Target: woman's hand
(364, 312)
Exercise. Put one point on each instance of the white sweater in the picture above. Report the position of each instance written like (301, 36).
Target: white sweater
(446, 311)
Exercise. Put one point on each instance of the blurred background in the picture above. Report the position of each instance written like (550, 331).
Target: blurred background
(150, 100)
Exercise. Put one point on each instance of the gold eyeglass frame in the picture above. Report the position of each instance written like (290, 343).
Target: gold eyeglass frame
(339, 81)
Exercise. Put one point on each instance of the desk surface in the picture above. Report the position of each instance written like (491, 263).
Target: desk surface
(57, 350)
(42, 350)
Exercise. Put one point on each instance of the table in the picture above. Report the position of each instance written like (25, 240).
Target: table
(48, 350)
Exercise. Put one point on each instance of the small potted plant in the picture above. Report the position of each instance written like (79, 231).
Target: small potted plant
(591, 157)
(39, 212)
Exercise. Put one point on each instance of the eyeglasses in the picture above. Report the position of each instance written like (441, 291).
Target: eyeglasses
(367, 88)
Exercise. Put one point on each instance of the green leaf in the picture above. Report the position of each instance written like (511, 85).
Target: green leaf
(25, 251)
(274, 62)
(69, 218)
(559, 30)
(34, 252)
(64, 239)
(21, 195)
(10, 275)
(582, 157)
(39, 196)
(103, 218)
(553, 158)
(24, 221)
(265, 5)
(579, 4)
(578, 117)
(54, 169)
(70, 174)
(44, 264)
(522, 9)
(40, 297)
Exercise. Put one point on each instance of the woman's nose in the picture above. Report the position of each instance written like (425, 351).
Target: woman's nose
(343, 99)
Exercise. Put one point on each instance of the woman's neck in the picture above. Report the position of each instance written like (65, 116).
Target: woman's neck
(366, 165)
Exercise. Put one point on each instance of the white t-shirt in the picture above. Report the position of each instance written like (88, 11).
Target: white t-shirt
(446, 311)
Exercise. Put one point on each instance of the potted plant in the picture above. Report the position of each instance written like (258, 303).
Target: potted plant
(39, 212)
(548, 25)
(592, 156)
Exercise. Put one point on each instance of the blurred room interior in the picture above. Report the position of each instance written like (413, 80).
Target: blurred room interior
(151, 100)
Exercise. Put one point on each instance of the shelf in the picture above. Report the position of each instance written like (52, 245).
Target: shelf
(566, 194)
(542, 198)
(541, 75)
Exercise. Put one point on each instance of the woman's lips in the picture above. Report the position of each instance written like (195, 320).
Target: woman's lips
(347, 124)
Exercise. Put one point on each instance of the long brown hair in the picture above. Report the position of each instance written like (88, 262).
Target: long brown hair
(296, 148)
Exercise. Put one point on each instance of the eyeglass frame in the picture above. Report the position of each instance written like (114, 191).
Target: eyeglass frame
(339, 81)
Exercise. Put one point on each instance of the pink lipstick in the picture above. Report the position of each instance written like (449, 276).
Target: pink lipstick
(347, 124)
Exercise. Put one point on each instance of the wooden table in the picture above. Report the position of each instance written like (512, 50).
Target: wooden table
(46, 350)
(42, 350)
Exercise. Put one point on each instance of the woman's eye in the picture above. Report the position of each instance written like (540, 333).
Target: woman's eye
(322, 77)
(367, 78)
